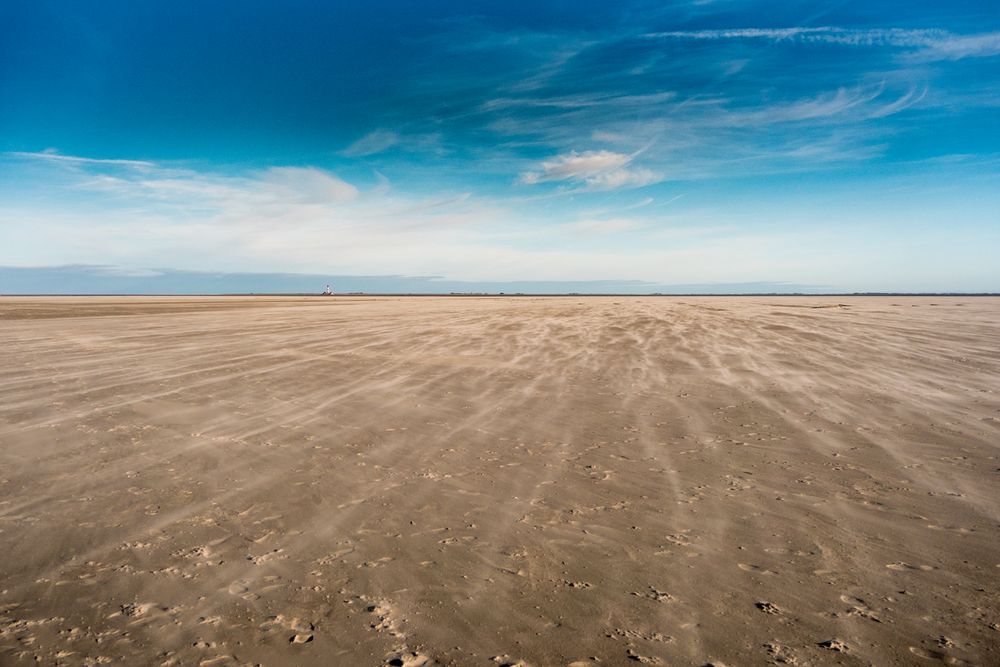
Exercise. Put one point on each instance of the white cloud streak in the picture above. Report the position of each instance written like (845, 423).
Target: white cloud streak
(376, 141)
(56, 157)
(965, 46)
(931, 44)
(595, 170)
(622, 178)
(576, 166)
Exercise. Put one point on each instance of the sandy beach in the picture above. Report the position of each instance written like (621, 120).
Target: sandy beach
(500, 481)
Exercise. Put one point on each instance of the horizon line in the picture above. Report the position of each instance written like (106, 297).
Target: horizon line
(497, 294)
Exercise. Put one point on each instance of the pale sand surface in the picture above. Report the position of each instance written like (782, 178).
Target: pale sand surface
(482, 481)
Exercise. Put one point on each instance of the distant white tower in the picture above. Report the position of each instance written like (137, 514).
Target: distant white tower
(328, 291)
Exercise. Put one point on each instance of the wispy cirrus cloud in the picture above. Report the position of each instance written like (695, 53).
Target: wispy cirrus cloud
(702, 98)
(854, 37)
(374, 142)
(186, 189)
(576, 166)
(856, 103)
(956, 47)
(308, 185)
(594, 170)
(52, 155)
(932, 43)
(909, 99)
(617, 179)
(578, 101)
(625, 88)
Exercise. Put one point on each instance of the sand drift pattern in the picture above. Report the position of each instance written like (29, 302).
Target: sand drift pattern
(537, 481)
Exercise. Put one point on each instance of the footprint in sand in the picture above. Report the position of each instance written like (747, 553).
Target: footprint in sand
(136, 609)
(274, 554)
(755, 568)
(411, 660)
(385, 618)
(643, 659)
(859, 608)
(507, 661)
(142, 613)
(767, 607)
(681, 539)
(834, 645)
(655, 595)
(297, 631)
(781, 654)
(242, 589)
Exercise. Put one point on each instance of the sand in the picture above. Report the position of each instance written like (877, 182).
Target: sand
(490, 481)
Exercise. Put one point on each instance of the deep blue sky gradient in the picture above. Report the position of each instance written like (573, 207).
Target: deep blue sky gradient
(854, 145)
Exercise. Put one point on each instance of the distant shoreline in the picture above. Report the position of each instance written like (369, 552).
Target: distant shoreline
(515, 294)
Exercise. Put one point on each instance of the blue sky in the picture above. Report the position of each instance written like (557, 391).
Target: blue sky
(829, 146)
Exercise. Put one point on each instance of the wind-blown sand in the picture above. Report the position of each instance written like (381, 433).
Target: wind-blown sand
(483, 481)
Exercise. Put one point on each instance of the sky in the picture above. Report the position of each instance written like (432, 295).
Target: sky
(709, 145)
